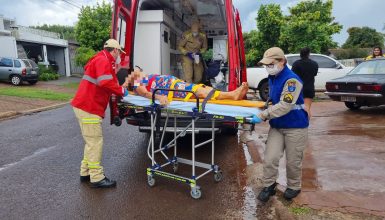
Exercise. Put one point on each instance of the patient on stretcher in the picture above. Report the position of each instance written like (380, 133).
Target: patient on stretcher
(144, 85)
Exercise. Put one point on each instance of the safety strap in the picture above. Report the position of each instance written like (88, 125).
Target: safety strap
(171, 93)
(208, 97)
(194, 89)
(216, 94)
(91, 120)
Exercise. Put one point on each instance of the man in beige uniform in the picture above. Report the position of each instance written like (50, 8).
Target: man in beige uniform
(288, 125)
(192, 44)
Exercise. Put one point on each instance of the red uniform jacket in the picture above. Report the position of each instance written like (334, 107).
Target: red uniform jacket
(98, 83)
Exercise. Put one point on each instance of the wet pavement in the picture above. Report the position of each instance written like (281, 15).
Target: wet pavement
(39, 175)
(343, 170)
(344, 164)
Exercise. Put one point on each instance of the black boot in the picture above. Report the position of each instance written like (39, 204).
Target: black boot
(104, 183)
(84, 178)
(266, 192)
(291, 193)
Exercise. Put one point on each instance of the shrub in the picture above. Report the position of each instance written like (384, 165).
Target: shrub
(351, 53)
(45, 69)
(83, 54)
(46, 76)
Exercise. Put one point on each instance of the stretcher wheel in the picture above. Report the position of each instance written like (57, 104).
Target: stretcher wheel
(218, 176)
(150, 181)
(196, 193)
(175, 167)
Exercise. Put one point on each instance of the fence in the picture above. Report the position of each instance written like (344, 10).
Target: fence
(351, 62)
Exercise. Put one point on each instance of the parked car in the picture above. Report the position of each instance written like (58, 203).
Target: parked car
(18, 70)
(34, 66)
(329, 68)
(363, 86)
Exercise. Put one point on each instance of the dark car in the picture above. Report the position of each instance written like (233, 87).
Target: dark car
(363, 86)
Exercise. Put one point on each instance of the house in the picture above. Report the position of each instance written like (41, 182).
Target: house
(41, 46)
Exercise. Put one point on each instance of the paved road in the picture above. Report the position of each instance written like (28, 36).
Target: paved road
(39, 177)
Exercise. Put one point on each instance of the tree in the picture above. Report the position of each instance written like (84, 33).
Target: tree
(250, 40)
(94, 26)
(66, 32)
(269, 22)
(363, 38)
(310, 24)
(92, 30)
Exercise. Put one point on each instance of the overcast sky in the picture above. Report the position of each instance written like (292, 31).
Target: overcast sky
(347, 12)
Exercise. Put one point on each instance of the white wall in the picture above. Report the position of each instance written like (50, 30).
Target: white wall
(33, 36)
(8, 47)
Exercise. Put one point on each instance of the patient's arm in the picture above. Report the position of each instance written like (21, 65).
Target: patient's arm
(142, 91)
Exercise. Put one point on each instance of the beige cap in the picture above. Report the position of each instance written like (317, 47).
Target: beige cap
(271, 55)
(113, 44)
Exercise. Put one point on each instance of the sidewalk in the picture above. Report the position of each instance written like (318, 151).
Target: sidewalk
(343, 167)
(11, 106)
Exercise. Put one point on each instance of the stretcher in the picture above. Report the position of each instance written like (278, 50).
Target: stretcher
(197, 110)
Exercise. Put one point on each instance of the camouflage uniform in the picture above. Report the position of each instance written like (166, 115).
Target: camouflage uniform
(190, 44)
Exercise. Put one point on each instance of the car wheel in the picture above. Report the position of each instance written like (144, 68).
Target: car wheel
(353, 105)
(32, 82)
(15, 80)
(264, 91)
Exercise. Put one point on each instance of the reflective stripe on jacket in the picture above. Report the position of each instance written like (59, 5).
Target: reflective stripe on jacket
(98, 83)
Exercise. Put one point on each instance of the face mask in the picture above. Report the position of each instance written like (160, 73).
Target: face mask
(273, 70)
(195, 34)
(118, 60)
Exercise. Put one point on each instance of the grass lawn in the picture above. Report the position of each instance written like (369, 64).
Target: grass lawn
(35, 93)
(71, 85)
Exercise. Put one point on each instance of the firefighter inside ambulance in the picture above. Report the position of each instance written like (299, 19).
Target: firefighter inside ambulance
(192, 45)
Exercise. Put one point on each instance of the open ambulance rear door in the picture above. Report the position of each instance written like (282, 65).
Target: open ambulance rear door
(123, 30)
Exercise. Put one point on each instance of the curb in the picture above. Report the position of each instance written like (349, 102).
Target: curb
(8, 114)
(281, 210)
(13, 114)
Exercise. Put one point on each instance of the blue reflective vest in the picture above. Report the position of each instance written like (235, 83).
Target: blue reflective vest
(297, 117)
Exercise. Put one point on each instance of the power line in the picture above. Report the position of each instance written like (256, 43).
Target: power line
(75, 3)
(68, 2)
(65, 8)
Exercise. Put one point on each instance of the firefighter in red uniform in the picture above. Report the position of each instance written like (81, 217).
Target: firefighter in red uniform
(89, 104)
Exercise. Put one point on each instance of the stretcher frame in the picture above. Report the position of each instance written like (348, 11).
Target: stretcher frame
(196, 114)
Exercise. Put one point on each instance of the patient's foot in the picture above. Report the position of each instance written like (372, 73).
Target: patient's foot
(240, 92)
(245, 89)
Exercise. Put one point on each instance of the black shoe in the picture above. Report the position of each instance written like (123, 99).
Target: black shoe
(291, 193)
(104, 183)
(266, 192)
(84, 179)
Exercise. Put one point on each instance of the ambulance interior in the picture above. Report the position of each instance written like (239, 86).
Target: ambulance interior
(160, 25)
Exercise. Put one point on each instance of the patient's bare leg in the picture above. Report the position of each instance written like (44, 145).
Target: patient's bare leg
(237, 94)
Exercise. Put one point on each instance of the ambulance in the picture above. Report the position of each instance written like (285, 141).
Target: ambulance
(149, 32)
